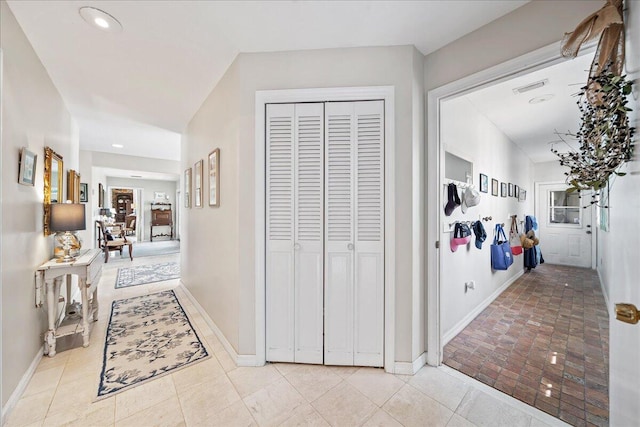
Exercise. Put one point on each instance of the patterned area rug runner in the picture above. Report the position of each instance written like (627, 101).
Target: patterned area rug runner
(147, 337)
(141, 274)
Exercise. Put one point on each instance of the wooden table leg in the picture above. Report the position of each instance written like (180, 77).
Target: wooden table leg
(85, 312)
(94, 304)
(53, 291)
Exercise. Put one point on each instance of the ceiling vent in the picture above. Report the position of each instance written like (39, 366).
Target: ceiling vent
(531, 86)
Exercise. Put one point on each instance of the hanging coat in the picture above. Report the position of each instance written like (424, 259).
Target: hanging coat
(532, 256)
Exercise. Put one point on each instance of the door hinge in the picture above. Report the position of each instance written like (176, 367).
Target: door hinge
(437, 244)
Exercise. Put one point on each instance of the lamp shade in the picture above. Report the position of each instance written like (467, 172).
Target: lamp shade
(67, 217)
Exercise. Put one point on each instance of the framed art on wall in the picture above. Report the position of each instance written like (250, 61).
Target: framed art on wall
(494, 187)
(503, 189)
(484, 183)
(197, 184)
(510, 190)
(516, 191)
(214, 178)
(523, 196)
(73, 186)
(187, 188)
(84, 192)
(27, 175)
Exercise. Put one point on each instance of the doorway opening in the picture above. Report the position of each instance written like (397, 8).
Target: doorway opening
(538, 334)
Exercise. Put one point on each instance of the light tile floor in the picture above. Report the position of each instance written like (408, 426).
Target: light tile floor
(216, 392)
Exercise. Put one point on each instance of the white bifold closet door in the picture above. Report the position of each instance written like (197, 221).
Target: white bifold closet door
(354, 233)
(295, 232)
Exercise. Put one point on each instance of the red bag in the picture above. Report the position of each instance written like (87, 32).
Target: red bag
(514, 237)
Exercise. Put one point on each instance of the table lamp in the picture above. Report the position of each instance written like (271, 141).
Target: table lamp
(65, 219)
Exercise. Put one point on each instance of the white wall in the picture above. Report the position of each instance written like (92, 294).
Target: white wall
(33, 116)
(549, 171)
(226, 119)
(535, 25)
(467, 133)
(149, 187)
(210, 236)
(134, 163)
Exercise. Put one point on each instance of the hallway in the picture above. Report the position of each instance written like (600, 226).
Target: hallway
(544, 341)
(217, 392)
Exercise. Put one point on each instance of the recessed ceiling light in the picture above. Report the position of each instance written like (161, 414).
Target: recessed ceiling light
(100, 19)
(117, 145)
(539, 99)
(136, 176)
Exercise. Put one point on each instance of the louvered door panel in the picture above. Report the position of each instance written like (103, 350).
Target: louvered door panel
(369, 234)
(280, 233)
(339, 220)
(309, 232)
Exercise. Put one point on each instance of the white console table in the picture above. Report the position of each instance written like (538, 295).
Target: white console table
(88, 267)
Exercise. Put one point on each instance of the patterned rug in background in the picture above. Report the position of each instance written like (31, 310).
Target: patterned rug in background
(141, 274)
(148, 337)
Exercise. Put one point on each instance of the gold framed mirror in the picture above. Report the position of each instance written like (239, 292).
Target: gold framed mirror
(53, 179)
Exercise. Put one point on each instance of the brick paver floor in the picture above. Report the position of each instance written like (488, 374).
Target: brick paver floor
(545, 341)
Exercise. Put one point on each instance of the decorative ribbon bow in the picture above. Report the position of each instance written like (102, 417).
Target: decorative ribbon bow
(607, 23)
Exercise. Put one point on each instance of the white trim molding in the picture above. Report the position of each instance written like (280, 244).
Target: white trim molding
(521, 65)
(411, 368)
(386, 93)
(238, 359)
(21, 387)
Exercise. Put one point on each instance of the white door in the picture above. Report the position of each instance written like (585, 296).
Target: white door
(354, 239)
(309, 232)
(565, 230)
(280, 234)
(295, 232)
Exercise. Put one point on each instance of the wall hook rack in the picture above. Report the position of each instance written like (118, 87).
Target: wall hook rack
(487, 218)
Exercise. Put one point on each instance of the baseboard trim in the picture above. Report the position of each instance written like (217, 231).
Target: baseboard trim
(410, 368)
(238, 359)
(22, 385)
(458, 327)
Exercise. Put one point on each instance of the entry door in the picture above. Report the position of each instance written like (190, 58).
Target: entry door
(295, 231)
(565, 226)
(354, 239)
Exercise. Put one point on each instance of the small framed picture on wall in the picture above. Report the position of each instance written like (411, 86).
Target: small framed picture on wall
(494, 187)
(503, 189)
(27, 166)
(523, 196)
(510, 190)
(484, 183)
(84, 192)
(214, 178)
(516, 191)
(187, 188)
(197, 184)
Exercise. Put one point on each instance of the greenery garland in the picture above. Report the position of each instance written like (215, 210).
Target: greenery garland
(605, 137)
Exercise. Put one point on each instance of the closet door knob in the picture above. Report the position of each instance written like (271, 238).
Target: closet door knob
(350, 246)
(297, 246)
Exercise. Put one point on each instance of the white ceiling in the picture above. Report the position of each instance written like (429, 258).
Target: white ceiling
(140, 87)
(532, 126)
(133, 174)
